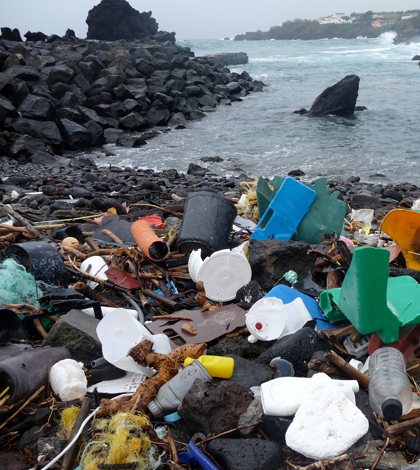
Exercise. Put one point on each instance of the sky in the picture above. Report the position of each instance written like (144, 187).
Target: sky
(190, 19)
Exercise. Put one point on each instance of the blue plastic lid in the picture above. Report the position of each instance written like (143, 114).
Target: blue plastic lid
(172, 417)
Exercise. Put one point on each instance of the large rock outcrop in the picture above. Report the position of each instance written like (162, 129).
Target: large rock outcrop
(112, 20)
(339, 99)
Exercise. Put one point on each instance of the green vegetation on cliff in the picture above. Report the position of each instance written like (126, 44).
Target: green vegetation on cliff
(361, 26)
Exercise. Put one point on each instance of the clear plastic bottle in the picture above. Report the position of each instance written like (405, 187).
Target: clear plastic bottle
(390, 392)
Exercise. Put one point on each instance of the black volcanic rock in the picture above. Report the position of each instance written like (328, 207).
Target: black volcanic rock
(339, 99)
(112, 20)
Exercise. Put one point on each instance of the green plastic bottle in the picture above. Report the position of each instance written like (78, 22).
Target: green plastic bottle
(217, 366)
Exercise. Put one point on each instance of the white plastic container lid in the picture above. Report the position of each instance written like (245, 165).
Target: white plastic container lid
(223, 274)
(119, 332)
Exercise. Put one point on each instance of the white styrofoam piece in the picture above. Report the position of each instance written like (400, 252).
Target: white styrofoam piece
(68, 380)
(270, 318)
(327, 423)
(284, 395)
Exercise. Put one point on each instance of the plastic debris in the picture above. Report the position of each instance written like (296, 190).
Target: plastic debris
(337, 421)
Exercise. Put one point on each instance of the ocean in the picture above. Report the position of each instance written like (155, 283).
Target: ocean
(262, 135)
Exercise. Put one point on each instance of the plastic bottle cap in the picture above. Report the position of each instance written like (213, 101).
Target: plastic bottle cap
(155, 409)
(392, 409)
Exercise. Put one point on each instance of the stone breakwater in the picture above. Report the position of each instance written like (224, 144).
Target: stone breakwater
(73, 94)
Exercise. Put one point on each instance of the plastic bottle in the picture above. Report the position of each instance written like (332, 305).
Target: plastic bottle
(390, 392)
(217, 366)
(172, 393)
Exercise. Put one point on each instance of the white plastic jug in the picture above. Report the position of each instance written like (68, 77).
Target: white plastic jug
(119, 332)
(68, 380)
(270, 318)
(283, 396)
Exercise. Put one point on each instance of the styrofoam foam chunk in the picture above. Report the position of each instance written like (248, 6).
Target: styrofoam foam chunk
(68, 380)
(327, 423)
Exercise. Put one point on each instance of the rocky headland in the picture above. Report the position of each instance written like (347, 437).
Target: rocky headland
(125, 84)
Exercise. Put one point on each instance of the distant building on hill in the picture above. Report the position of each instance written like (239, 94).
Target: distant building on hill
(378, 23)
(336, 18)
(406, 17)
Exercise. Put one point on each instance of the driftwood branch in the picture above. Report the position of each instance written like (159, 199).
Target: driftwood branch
(349, 370)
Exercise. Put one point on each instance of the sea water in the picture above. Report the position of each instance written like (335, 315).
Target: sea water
(262, 135)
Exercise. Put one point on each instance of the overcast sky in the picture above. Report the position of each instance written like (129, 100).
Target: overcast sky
(190, 19)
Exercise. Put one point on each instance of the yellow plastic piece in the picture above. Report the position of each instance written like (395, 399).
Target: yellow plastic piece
(366, 228)
(217, 366)
(403, 226)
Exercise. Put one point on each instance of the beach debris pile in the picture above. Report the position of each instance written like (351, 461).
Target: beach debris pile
(255, 320)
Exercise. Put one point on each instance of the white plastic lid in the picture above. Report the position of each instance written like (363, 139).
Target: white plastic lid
(223, 274)
(267, 318)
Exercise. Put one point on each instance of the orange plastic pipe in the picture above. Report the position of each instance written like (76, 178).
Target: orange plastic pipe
(148, 242)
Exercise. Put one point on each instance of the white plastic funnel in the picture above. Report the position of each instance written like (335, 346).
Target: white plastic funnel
(119, 332)
(223, 274)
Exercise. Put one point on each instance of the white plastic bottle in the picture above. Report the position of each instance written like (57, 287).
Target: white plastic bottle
(390, 392)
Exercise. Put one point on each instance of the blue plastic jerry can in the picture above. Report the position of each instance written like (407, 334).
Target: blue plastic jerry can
(285, 211)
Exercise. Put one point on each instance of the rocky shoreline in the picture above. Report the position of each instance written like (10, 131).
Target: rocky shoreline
(71, 94)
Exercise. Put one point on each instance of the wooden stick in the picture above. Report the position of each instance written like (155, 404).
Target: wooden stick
(230, 430)
(40, 328)
(70, 454)
(403, 427)
(348, 369)
(25, 223)
(41, 389)
(91, 242)
(174, 466)
(171, 444)
(381, 454)
(335, 460)
(112, 236)
(170, 317)
(12, 228)
(180, 207)
(82, 288)
(73, 251)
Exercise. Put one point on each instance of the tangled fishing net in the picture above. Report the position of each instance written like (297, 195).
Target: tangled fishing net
(17, 285)
(121, 439)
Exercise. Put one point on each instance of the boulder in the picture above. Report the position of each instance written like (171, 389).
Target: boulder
(35, 36)
(297, 348)
(77, 137)
(8, 35)
(26, 146)
(210, 408)
(36, 107)
(271, 259)
(117, 19)
(339, 99)
(248, 454)
(45, 130)
(6, 108)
